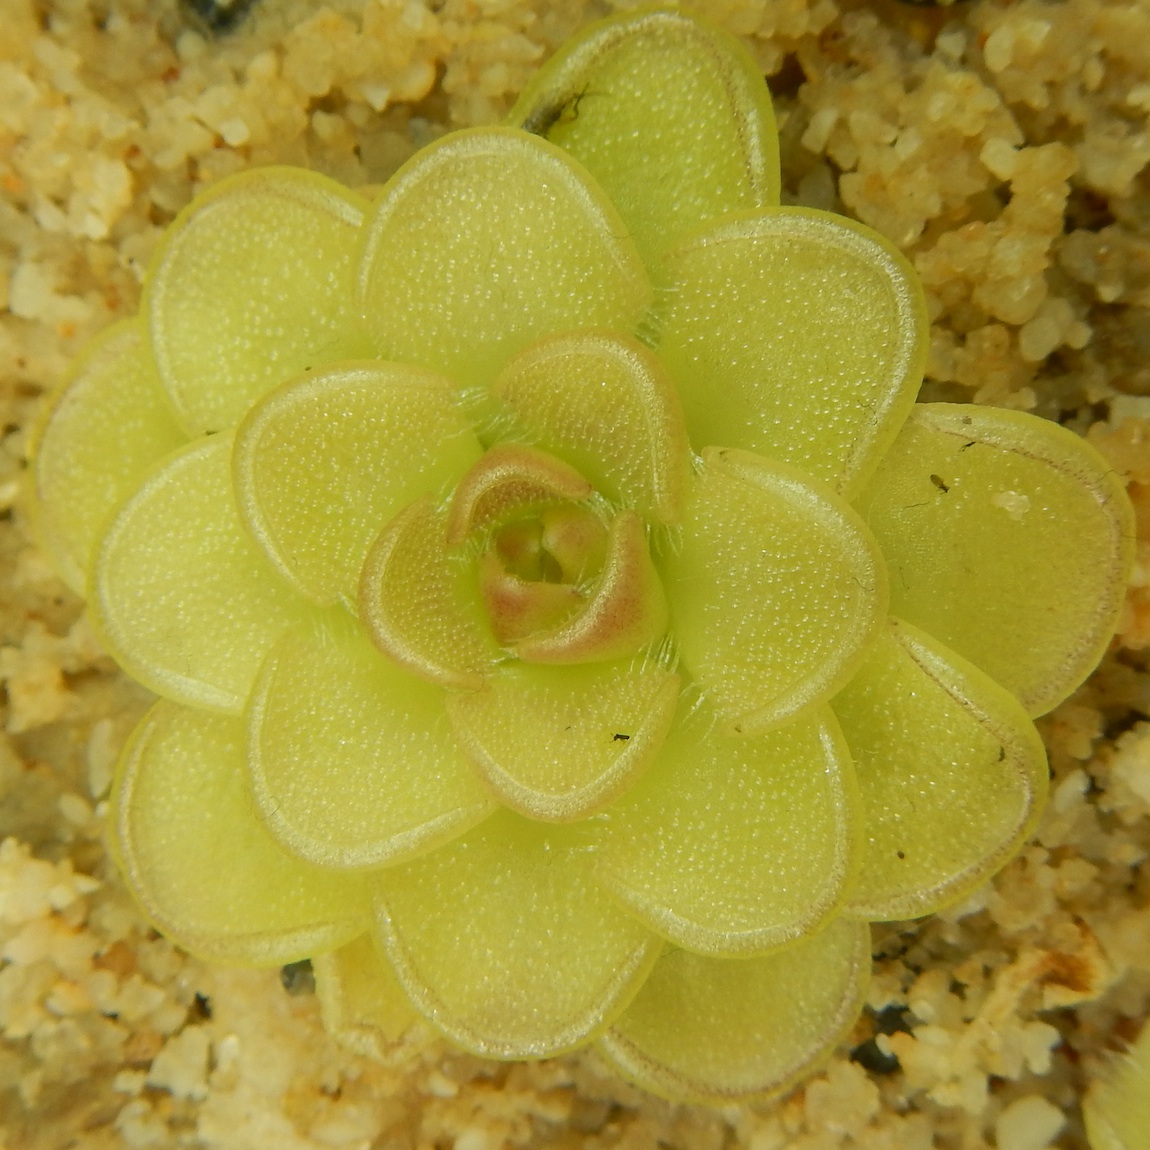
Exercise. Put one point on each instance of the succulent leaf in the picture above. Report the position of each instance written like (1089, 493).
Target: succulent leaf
(951, 771)
(206, 872)
(106, 426)
(486, 241)
(414, 601)
(559, 743)
(974, 508)
(776, 588)
(223, 328)
(180, 593)
(708, 1030)
(671, 117)
(797, 335)
(737, 846)
(360, 999)
(603, 402)
(506, 942)
(323, 462)
(333, 728)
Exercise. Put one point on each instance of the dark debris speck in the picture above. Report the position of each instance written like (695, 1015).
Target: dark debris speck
(217, 16)
(868, 1054)
(298, 978)
(892, 1020)
(873, 1060)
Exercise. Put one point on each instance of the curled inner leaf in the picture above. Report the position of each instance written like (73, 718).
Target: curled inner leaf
(626, 610)
(606, 403)
(510, 477)
(414, 601)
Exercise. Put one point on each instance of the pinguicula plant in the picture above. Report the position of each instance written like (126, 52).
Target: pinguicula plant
(565, 620)
(1116, 1108)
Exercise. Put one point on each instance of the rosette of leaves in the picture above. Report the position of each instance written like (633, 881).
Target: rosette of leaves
(566, 624)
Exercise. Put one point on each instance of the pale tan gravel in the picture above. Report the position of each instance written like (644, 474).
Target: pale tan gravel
(1004, 145)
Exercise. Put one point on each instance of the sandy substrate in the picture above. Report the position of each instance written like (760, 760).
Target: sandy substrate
(1004, 146)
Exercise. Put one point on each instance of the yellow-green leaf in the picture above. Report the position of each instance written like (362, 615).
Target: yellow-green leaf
(202, 864)
(324, 462)
(109, 422)
(668, 113)
(775, 591)
(737, 846)
(1116, 1108)
(1009, 539)
(253, 284)
(360, 999)
(350, 758)
(486, 241)
(796, 334)
(951, 771)
(558, 743)
(504, 940)
(182, 596)
(720, 1030)
(419, 603)
(603, 402)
